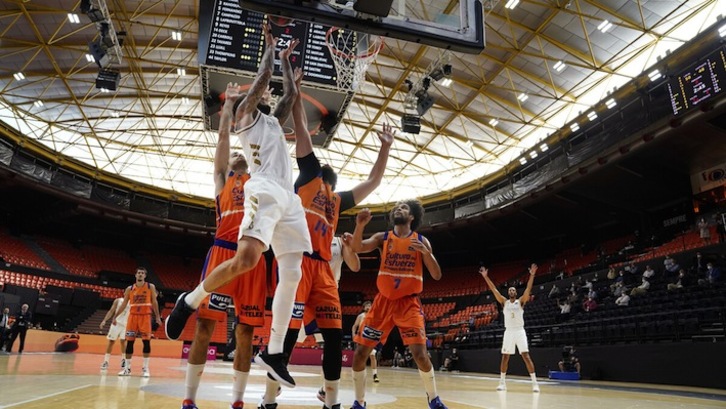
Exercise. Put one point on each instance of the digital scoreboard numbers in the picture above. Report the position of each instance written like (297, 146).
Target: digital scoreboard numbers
(699, 83)
(232, 37)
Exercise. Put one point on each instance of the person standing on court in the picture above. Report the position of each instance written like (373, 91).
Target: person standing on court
(141, 299)
(116, 332)
(356, 325)
(246, 292)
(318, 289)
(404, 253)
(514, 334)
(274, 216)
(23, 321)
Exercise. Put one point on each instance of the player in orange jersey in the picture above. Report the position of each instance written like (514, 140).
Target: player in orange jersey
(318, 288)
(247, 291)
(141, 297)
(404, 253)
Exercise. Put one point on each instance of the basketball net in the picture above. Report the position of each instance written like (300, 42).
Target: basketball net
(352, 53)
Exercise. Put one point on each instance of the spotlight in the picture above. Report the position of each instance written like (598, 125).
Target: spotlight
(108, 79)
(98, 51)
(424, 104)
(410, 124)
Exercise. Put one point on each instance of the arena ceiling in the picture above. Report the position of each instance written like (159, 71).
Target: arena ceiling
(151, 129)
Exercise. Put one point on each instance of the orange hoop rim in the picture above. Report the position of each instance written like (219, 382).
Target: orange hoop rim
(341, 54)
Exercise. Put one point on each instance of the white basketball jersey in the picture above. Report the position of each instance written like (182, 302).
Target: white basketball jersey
(123, 317)
(513, 314)
(336, 259)
(263, 142)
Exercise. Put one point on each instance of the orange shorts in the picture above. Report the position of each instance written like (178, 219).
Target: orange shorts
(247, 292)
(405, 313)
(317, 296)
(138, 326)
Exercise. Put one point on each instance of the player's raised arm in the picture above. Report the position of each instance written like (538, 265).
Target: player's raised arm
(303, 142)
(485, 273)
(525, 297)
(365, 188)
(262, 80)
(289, 89)
(349, 256)
(221, 154)
(357, 243)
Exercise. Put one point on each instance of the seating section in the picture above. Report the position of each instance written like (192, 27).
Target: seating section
(433, 312)
(483, 313)
(352, 309)
(176, 272)
(71, 258)
(101, 258)
(14, 250)
(39, 283)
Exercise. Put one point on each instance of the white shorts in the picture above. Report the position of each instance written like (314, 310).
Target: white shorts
(116, 332)
(275, 216)
(514, 338)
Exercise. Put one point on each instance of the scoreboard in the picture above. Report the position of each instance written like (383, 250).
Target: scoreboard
(232, 37)
(699, 83)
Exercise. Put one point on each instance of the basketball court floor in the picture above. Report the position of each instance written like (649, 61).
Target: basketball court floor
(60, 381)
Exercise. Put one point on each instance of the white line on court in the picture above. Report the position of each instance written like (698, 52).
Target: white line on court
(44, 396)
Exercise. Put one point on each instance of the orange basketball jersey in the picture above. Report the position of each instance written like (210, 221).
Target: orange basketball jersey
(401, 271)
(230, 207)
(140, 299)
(322, 207)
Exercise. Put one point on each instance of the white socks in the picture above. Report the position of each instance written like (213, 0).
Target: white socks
(359, 381)
(106, 357)
(270, 391)
(239, 383)
(331, 393)
(194, 298)
(429, 382)
(146, 362)
(193, 377)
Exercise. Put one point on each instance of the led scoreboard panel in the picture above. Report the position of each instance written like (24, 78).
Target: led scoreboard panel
(232, 37)
(699, 83)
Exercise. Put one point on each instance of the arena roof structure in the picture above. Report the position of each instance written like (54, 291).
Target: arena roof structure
(546, 62)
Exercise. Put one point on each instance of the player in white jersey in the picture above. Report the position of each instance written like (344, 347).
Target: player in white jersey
(356, 326)
(341, 251)
(116, 331)
(514, 334)
(274, 216)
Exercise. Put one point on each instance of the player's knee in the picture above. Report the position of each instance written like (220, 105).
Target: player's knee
(147, 346)
(333, 338)
(245, 259)
(130, 348)
(204, 329)
(290, 267)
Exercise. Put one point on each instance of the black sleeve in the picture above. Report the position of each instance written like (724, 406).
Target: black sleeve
(346, 200)
(309, 167)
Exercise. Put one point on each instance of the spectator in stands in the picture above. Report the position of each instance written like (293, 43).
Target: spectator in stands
(115, 332)
(398, 360)
(704, 231)
(554, 292)
(569, 362)
(670, 265)
(589, 305)
(565, 308)
(699, 264)
(23, 321)
(619, 281)
(623, 300)
(515, 337)
(592, 294)
(649, 272)
(620, 289)
(641, 289)
(678, 282)
(713, 274)
(451, 362)
(4, 327)
(612, 274)
(721, 229)
(631, 268)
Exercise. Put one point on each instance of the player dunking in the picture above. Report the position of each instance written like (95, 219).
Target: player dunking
(141, 298)
(273, 215)
(247, 291)
(514, 334)
(404, 253)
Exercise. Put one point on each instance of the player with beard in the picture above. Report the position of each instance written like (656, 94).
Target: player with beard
(274, 216)
(404, 253)
(318, 289)
(514, 334)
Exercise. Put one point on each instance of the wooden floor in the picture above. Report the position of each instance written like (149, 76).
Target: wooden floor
(65, 381)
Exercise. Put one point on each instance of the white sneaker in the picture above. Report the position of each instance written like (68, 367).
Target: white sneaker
(145, 373)
(104, 365)
(535, 387)
(125, 372)
(502, 386)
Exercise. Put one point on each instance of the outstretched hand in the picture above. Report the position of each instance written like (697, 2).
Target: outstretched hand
(346, 239)
(386, 136)
(232, 93)
(270, 40)
(363, 217)
(484, 271)
(533, 269)
(287, 52)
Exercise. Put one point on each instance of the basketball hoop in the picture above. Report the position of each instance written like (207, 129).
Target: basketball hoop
(352, 53)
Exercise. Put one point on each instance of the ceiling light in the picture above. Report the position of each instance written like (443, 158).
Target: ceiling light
(446, 82)
(19, 76)
(90, 58)
(38, 103)
(544, 147)
(722, 31)
(115, 114)
(605, 26)
(493, 122)
(533, 154)
(181, 72)
(176, 35)
(574, 127)
(73, 18)
(592, 115)
(185, 100)
(523, 161)
(610, 103)
(559, 66)
(511, 4)
(654, 75)
(104, 90)
(522, 97)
